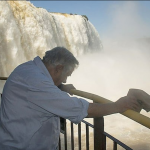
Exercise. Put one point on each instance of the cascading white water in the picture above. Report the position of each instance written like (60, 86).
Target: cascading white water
(27, 31)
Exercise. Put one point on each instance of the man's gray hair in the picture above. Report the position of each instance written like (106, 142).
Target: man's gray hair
(60, 55)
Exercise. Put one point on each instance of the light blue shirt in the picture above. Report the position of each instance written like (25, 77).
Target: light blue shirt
(31, 106)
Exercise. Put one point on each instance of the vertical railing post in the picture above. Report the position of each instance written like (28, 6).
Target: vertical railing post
(65, 134)
(99, 137)
(72, 136)
(79, 136)
(64, 129)
(59, 143)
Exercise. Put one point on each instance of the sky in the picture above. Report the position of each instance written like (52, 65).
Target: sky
(110, 18)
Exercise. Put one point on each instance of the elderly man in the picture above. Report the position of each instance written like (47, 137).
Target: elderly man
(32, 103)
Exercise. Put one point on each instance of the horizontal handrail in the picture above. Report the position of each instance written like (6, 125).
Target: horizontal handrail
(143, 120)
(117, 141)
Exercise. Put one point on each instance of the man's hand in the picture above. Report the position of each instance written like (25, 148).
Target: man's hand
(128, 102)
(143, 98)
(67, 88)
(123, 104)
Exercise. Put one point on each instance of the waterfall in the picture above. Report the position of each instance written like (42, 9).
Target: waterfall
(27, 31)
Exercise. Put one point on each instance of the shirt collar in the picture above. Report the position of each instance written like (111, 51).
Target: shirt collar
(37, 60)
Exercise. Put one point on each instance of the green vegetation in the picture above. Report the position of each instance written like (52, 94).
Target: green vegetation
(85, 17)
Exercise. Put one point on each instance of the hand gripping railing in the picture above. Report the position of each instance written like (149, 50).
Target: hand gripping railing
(143, 120)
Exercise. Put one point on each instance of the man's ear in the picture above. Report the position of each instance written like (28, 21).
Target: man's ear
(59, 68)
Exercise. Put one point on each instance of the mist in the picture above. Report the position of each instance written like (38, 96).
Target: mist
(122, 64)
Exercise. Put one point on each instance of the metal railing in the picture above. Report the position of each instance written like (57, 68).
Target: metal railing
(99, 136)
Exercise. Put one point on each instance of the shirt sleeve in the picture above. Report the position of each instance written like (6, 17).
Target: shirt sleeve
(43, 93)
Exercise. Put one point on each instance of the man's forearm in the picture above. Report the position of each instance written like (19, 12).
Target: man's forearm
(121, 105)
(99, 110)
